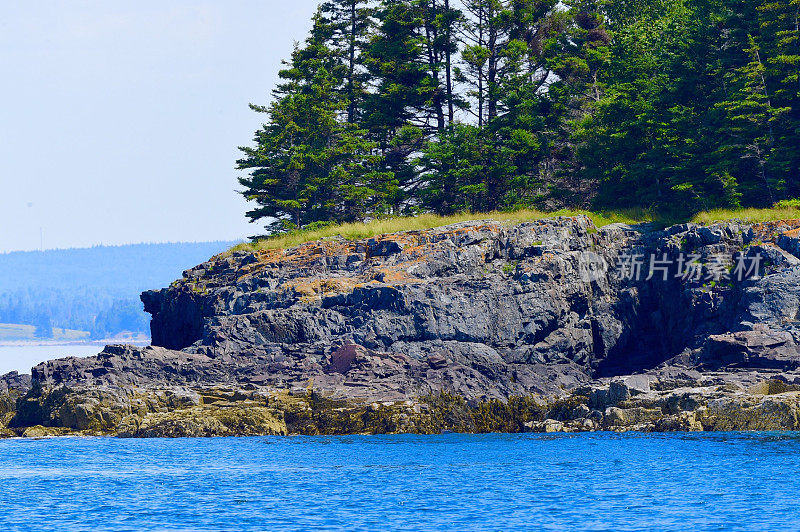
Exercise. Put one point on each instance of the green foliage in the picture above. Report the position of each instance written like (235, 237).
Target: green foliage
(510, 267)
(691, 118)
(309, 165)
(788, 204)
(395, 107)
(453, 168)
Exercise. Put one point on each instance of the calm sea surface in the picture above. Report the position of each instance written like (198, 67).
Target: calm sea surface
(449, 482)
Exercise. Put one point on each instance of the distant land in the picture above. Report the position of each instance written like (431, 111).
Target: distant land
(88, 293)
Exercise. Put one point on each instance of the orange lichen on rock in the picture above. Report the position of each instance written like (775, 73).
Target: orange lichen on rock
(396, 276)
(410, 238)
(793, 233)
(317, 287)
(415, 252)
(770, 231)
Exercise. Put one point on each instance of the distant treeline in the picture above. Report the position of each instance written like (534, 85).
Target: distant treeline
(94, 289)
(401, 106)
(84, 309)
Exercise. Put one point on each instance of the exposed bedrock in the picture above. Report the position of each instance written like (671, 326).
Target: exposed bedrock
(486, 297)
(480, 310)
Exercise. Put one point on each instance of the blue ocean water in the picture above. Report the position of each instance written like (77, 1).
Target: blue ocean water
(599, 481)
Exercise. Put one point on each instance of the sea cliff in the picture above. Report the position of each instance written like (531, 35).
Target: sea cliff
(549, 325)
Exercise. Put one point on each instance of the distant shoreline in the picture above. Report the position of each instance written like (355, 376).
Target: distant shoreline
(139, 341)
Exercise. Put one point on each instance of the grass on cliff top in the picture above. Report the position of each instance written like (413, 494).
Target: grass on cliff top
(358, 231)
(779, 212)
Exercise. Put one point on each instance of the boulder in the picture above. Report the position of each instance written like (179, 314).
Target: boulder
(763, 348)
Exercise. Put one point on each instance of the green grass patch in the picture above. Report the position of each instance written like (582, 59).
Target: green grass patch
(359, 231)
(779, 212)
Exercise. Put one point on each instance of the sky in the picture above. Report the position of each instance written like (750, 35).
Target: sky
(120, 121)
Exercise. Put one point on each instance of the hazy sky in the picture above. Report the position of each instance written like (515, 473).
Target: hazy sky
(120, 120)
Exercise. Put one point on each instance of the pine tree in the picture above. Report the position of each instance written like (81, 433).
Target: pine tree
(397, 106)
(350, 22)
(752, 117)
(780, 40)
(506, 67)
(309, 164)
(439, 21)
(578, 53)
(410, 60)
(452, 169)
(649, 139)
(406, 107)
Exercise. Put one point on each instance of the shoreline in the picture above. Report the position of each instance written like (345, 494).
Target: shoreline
(66, 343)
(715, 402)
(793, 434)
(475, 327)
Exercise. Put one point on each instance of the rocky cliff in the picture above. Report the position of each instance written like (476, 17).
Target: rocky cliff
(546, 325)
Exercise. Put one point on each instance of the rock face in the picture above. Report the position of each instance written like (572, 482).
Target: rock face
(480, 312)
(482, 307)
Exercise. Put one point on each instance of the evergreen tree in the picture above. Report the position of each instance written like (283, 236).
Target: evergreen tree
(519, 118)
(578, 53)
(779, 24)
(413, 98)
(439, 21)
(648, 139)
(752, 116)
(310, 165)
(350, 22)
(452, 168)
(487, 30)
(396, 106)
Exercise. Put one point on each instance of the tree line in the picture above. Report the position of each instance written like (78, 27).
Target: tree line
(393, 107)
(92, 289)
(85, 309)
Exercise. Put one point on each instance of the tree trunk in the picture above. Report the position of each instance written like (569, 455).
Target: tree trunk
(351, 66)
(433, 67)
(491, 73)
(448, 67)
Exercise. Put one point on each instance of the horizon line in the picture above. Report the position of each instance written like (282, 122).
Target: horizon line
(163, 243)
